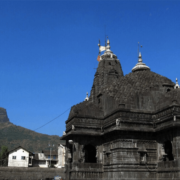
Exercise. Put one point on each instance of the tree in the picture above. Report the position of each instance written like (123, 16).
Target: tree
(4, 156)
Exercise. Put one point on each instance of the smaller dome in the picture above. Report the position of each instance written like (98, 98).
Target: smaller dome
(177, 85)
(87, 98)
(140, 65)
(108, 54)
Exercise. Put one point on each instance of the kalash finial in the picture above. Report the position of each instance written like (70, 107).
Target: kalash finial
(140, 57)
(177, 85)
(108, 54)
(87, 98)
(108, 51)
(140, 65)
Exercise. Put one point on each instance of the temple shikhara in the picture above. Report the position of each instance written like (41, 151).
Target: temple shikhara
(128, 128)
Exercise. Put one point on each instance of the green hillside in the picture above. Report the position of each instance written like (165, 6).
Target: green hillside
(13, 136)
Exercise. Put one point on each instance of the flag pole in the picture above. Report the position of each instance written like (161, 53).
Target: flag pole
(98, 58)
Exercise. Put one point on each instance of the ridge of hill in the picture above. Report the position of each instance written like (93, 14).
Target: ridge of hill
(13, 136)
(3, 115)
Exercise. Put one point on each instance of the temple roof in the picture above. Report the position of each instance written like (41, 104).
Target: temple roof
(141, 89)
(86, 109)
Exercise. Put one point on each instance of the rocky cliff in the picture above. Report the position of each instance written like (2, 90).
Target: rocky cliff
(3, 115)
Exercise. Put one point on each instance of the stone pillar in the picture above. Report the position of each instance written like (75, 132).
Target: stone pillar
(176, 145)
(75, 152)
(161, 151)
(68, 157)
(99, 154)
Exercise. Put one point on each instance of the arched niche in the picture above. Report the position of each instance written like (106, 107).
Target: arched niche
(90, 153)
(168, 150)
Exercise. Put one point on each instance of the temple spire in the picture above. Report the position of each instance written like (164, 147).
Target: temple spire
(140, 65)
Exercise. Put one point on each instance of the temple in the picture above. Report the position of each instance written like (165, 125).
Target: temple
(128, 128)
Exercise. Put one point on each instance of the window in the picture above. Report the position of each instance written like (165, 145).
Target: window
(14, 157)
(23, 158)
(54, 157)
(48, 157)
(168, 90)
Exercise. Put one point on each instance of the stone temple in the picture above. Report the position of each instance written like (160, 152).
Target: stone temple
(128, 128)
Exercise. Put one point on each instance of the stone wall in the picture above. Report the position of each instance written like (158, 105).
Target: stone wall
(168, 170)
(31, 173)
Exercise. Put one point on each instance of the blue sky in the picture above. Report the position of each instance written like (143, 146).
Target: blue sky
(48, 51)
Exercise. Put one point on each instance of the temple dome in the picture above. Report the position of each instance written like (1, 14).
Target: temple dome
(140, 89)
(140, 65)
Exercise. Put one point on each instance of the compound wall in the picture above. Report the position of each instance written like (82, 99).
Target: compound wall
(31, 173)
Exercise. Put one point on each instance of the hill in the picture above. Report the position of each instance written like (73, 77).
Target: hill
(3, 115)
(13, 136)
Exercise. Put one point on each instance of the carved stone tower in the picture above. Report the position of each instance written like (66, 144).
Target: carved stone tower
(108, 73)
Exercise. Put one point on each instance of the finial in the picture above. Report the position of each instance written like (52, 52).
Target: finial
(177, 85)
(108, 54)
(138, 47)
(140, 57)
(99, 43)
(87, 98)
(108, 47)
(140, 65)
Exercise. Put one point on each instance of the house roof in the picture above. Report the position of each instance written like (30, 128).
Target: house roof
(47, 153)
(39, 156)
(20, 147)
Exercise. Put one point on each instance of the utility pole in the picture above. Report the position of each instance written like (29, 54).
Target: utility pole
(50, 154)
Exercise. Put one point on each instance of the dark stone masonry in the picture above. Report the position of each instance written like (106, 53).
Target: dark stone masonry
(128, 129)
(30, 173)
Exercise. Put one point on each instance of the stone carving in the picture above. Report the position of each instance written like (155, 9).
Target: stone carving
(82, 154)
(73, 127)
(174, 118)
(102, 129)
(97, 152)
(75, 144)
(118, 121)
(162, 154)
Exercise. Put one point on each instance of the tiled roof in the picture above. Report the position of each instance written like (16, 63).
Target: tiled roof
(20, 147)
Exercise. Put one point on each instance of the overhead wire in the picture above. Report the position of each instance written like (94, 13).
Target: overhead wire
(51, 120)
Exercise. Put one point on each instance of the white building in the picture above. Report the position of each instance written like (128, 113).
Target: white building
(20, 157)
(53, 157)
(61, 156)
(40, 160)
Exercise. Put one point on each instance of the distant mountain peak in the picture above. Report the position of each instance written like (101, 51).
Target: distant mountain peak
(3, 115)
